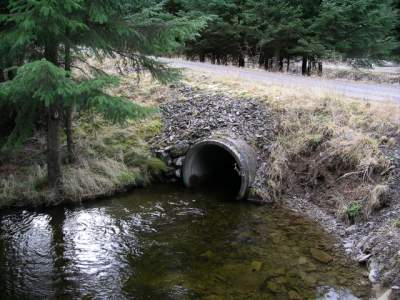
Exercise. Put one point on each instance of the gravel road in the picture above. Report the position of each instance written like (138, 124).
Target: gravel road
(366, 91)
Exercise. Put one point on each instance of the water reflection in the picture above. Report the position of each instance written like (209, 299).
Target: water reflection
(25, 254)
(169, 243)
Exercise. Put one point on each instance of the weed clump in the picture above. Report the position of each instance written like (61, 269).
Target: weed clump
(396, 223)
(378, 197)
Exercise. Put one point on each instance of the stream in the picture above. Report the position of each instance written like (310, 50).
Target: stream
(167, 242)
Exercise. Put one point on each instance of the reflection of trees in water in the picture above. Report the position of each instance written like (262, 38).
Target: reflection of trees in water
(8, 257)
(57, 221)
(94, 251)
(25, 255)
(156, 244)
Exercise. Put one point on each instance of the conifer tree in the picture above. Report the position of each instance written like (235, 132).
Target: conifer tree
(307, 29)
(358, 28)
(279, 27)
(225, 37)
(396, 6)
(64, 31)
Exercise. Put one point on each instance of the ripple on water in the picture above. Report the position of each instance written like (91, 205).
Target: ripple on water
(170, 243)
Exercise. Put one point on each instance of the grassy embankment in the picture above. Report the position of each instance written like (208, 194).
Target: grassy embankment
(339, 150)
(110, 158)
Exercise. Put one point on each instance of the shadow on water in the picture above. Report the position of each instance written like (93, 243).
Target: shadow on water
(170, 243)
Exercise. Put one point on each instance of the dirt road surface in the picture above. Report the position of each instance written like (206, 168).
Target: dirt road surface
(366, 91)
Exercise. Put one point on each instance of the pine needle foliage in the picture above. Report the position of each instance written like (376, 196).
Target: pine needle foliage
(273, 31)
(38, 84)
(67, 33)
(91, 95)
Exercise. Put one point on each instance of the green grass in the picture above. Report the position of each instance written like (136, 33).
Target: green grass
(397, 224)
(354, 211)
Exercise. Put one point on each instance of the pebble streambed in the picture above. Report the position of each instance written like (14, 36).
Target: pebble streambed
(170, 243)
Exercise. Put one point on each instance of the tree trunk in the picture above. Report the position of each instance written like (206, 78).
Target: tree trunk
(288, 65)
(241, 60)
(313, 65)
(54, 175)
(281, 64)
(274, 64)
(53, 146)
(202, 57)
(267, 63)
(276, 59)
(320, 68)
(304, 66)
(69, 117)
(271, 64)
(69, 111)
(309, 67)
(57, 243)
(261, 59)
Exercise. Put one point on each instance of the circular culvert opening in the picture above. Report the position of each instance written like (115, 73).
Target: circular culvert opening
(220, 164)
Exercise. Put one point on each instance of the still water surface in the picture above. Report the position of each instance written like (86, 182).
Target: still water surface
(170, 243)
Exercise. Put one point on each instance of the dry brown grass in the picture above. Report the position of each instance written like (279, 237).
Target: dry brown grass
(26, 184)
(377, 198)
(361, 75)
(140, 89)
(110, 157)
(325, 142)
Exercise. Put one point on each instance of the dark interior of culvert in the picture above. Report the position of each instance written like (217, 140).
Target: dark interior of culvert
(216, 170)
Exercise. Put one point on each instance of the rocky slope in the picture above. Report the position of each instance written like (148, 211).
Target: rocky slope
(196, 114)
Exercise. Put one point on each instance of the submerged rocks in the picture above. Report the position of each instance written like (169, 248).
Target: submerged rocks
(293, 295)
(208, 255)
(273, 287)
(320, 255)
(256, 266)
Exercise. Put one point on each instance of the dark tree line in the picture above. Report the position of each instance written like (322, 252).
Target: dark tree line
(275, 33)
(397, 50)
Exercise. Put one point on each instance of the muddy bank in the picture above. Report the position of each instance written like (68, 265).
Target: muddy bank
(196, 114)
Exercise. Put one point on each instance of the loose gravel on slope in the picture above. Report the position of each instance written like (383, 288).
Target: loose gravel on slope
(198, 115)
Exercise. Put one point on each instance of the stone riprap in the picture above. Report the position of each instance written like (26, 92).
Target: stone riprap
(196, 115)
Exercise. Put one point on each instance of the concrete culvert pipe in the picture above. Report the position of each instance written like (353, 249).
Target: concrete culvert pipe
(226, 163)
